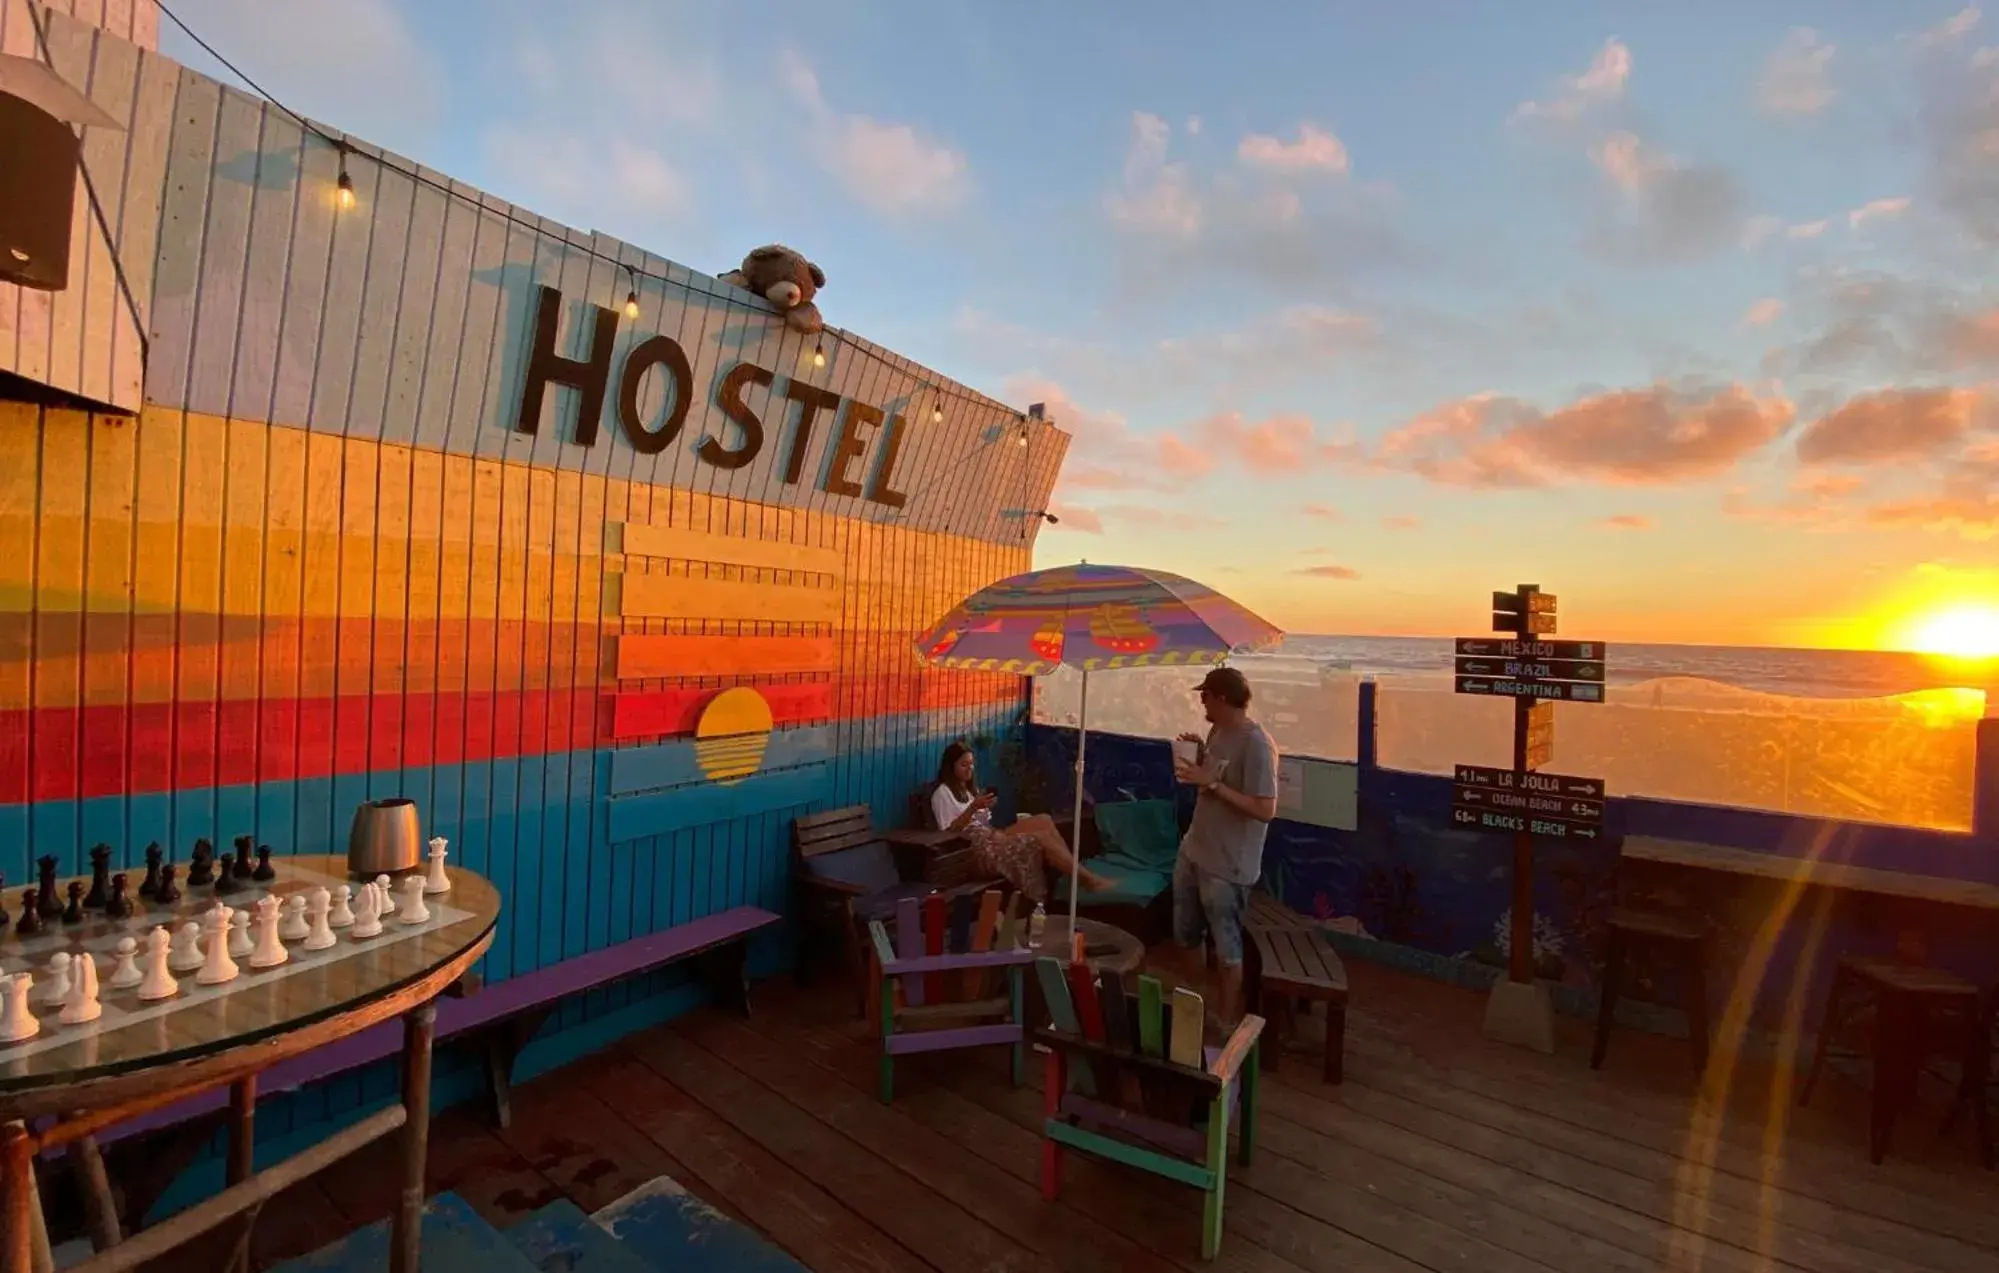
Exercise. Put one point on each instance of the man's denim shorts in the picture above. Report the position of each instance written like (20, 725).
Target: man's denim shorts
(1206, 904)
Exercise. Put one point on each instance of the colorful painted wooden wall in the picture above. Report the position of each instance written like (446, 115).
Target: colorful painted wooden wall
(329, 560)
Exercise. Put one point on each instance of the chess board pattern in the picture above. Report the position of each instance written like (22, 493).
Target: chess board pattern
(99, 937)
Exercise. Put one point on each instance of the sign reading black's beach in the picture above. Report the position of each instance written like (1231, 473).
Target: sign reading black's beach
(857, 429)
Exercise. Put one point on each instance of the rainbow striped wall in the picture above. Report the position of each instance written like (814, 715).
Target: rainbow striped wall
(323, 563)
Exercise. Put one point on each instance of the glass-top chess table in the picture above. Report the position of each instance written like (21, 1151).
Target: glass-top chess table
(141, 1056)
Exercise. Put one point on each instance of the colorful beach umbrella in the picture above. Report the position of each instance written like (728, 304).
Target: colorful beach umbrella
(1096, 619)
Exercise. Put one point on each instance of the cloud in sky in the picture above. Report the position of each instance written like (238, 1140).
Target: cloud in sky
(1599, 84)
(1665, 210)
(1400, 521)
(1628, 521)
(1889, 426)
(1075, 518)
(1761, 313)
(1315, 150)
(1328, 571)
(1631, 437)
(890, 167)
(1797, 76)
(1323, 512)
(1177, 223)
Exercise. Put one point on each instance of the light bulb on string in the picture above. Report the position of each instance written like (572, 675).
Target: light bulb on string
(631, 304)
(818, 354)
(937, 412)
(345, 185)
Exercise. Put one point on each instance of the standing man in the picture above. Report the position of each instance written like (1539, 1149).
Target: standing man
(1222, 852)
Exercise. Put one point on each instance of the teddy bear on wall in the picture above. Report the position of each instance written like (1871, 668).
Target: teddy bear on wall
(785, 279)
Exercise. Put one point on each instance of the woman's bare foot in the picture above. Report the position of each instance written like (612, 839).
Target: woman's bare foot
(1094, 883)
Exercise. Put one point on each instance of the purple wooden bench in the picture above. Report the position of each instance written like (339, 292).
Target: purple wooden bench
(503, 1016)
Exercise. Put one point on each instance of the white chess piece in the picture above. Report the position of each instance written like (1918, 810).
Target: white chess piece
(158, 983)
(125, 973)
(388, 899)
(435, 880)
(57, 987)
(270, 951)
(186, 956)
(291, 925)
(368, 918)
(81, 1004)
(16, 1022)
(413, 910)
(240, 944)
(319, 934)
(342, 914)
(219, 966)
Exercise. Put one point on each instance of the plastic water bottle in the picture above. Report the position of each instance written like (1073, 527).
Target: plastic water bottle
(1037, 925)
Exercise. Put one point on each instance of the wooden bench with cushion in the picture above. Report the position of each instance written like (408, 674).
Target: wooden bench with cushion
(501, 1017)
(1135, 845)
(1290, 959)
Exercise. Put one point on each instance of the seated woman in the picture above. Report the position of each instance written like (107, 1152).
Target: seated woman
(1023, 853)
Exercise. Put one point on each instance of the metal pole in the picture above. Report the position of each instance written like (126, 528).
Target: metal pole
(1076, 826)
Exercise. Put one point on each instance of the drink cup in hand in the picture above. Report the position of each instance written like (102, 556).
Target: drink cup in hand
(1186, 752)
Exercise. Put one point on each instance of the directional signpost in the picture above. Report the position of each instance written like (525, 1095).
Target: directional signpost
(1527, 665)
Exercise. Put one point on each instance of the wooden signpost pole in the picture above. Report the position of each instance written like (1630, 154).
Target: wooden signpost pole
(1520, 959)
(1535, 671)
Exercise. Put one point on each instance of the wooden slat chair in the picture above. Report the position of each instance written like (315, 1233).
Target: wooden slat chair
(843, 875)
(953, 977)
(1146, 1093)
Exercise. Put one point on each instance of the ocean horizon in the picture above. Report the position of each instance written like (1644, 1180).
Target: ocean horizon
(1805, 673)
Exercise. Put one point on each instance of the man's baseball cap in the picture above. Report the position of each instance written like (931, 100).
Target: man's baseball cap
(1227, 684)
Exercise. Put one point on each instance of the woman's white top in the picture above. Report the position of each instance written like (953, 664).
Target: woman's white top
(945, 807)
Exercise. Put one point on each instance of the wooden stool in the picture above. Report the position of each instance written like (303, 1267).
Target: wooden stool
(1685, 940)
(1907, 1001)
(1292, 961)
(1979, 1077)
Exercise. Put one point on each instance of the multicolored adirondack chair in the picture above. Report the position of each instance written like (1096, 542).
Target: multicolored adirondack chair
(1130, 1080)
(954, 977)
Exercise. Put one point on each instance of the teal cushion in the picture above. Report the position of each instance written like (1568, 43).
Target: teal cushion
(1130, 886)
(1139, 833)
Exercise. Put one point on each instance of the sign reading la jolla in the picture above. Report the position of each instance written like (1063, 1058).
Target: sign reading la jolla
(856, 425)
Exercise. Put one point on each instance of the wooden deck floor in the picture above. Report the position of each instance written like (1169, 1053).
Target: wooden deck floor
(1441, 1151)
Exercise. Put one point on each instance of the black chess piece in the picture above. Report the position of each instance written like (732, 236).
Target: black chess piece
(150, 886)
(243, 870)
(31, 914)
(100, 878)
(225, 879)
(169, 892)
(117, 905)
(73, 913)
(265, 872)
(48, 904)
(200, 870)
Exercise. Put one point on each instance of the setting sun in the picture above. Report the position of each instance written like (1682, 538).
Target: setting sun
(1960, 631)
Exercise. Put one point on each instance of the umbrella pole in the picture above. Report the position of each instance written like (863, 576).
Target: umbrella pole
(1076, 825)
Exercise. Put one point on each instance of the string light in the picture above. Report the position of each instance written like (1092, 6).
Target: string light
(632, 297)
(346, 198)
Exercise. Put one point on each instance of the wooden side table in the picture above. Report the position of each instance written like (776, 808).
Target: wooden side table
(62, 1087)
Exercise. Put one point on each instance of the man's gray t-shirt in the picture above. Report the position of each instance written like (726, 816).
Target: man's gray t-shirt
(1221, 841)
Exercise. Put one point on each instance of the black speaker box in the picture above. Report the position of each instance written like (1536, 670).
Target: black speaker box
(38, 166)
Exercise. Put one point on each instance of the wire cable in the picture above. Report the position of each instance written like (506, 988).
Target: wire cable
(741, 301)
